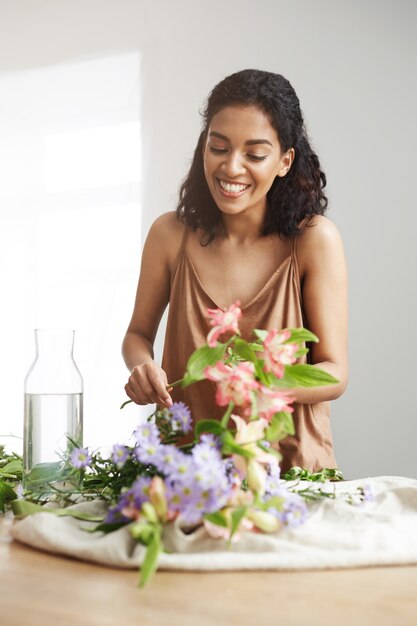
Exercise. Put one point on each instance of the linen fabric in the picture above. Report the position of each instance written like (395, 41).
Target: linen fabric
(335, 535)
(278, 305)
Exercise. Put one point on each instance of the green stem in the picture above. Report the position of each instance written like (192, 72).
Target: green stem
(124, 403)
(225, 418)
(175, 384)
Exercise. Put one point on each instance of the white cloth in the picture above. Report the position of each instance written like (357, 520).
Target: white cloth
(335, 535)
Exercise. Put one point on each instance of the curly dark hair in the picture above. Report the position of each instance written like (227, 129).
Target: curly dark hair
(291, 198)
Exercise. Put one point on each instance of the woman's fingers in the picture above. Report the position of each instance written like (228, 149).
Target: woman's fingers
(159, 384)
(147, 385)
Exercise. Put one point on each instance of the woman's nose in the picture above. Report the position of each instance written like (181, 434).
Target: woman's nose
(233, 164)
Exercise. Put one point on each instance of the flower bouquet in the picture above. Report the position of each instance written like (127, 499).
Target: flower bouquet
(228, 479)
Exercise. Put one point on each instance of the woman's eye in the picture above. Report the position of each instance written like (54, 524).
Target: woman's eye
(217, 150)
(256, 157)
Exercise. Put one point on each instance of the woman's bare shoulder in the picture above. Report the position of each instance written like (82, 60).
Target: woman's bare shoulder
(165, 235)
(319, 242)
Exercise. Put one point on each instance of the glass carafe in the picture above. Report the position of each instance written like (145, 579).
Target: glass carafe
(53, 420)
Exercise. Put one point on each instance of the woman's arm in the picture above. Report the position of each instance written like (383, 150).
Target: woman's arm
(323, 276)
(148, 382)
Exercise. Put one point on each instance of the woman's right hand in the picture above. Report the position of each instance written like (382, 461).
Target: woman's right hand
(147, 384)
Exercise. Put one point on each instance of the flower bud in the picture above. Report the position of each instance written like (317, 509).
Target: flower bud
(142, 531)
(158, 498)
(263, 520)
(256, 476)
(149, 512)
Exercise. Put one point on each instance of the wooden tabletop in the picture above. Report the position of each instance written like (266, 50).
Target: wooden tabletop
(40, 589)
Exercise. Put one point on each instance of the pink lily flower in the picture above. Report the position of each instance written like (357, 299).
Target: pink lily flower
(247, 435)
(249, 432)
(223, 321)
(269, 402)
(276, 354)
(234, 384)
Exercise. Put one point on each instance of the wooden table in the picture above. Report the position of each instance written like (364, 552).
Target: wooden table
(39, 589)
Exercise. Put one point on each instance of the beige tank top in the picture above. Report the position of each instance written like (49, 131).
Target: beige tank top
(277, 305)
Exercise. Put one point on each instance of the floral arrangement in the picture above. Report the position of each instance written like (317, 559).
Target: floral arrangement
(228, 479)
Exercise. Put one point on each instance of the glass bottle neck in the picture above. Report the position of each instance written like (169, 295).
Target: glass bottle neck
(54, 344)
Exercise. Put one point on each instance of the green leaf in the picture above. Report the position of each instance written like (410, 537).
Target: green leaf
(300, 473)
(105, 527)
(305, 375)
(44, 473)
(301, 352)
(261, 334)
(280, 426)
(244, 350)
(301, 335)
(7, 494)
(13, 467)
(23, 508)
(268, 450)
(216, 518)
(150, 562)
(199, 360)
(237, 516)
(208, 426)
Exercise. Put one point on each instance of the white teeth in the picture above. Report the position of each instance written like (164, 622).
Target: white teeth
(232, 188)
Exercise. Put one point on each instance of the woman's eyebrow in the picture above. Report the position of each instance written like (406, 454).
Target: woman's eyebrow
(250, 142)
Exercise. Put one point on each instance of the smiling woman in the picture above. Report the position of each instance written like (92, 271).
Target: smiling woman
(249, 227)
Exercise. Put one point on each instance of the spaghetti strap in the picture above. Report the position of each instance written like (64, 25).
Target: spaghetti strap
(294, 258)
(181, 249)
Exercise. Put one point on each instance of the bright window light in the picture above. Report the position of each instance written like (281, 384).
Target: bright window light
(90, 158)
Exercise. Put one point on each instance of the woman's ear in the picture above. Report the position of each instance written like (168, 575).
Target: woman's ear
(286, 161)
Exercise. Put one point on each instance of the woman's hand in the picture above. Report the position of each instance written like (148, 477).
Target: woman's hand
(148, 384)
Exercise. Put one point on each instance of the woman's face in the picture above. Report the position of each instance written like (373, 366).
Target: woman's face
(242, 157)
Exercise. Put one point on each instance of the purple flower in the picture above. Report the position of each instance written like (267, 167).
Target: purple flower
(180, 416)
(148, 442)
(180, 495)
(147, 452)
(114, 515)
(147, 432)
(233, 475)
(211, 440)
(197, 483)
(209, 469)
(273, 481)
(182, 467)
(368, 494)
(294, 509)
(119, 455)
(135, 496)
(166, 458)
(80, 457)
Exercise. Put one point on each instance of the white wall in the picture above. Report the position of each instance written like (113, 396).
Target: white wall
(353, 67)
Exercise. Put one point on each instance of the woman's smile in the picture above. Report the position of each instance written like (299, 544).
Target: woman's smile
(232, 189)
